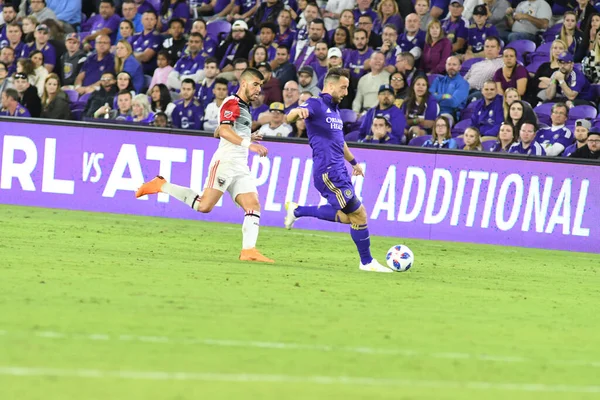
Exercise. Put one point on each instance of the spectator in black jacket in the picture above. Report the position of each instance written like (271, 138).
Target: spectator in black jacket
(267, 12)
(238, 44)
(28, 94)
(55, 102)
(105, 95)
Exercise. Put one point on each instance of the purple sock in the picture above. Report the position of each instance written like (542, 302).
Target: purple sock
(360, 235)
(325, 212)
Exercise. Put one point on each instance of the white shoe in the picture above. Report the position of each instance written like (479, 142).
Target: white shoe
(374, 266)
(290, 218)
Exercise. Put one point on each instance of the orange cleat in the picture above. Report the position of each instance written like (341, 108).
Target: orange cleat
(254, 255)
(151, 187)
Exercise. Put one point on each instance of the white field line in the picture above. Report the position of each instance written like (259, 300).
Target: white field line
(286, 379)
(308, 347)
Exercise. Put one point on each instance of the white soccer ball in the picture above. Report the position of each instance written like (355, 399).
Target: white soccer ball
(400, 258)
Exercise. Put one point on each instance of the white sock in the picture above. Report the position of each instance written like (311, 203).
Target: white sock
(183, 194)
(250, 229)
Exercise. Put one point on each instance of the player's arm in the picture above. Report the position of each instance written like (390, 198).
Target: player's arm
(296, 114)
(348, 156)
(226, 132)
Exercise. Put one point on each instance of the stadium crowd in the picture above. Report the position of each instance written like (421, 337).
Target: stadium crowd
(480, 75)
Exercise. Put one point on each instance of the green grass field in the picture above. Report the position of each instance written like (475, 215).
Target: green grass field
(102, 306)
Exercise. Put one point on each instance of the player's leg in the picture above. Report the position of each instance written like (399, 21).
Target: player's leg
(243, 191)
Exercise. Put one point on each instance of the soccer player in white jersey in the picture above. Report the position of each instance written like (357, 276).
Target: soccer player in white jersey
(229, 166)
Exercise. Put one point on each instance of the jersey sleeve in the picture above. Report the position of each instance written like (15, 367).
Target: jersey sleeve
(229, 112)
(311, 106)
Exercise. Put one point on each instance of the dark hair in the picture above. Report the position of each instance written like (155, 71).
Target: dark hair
(252, 61)
(13, 24)
(391, 26)
(165, 97)
(252, 72)
(125, 91)
(268, 25)
(108, 2)
(11, 5)
(27, 66)
(287, 49)
(528, 116)
(240, 61)
(494, 39)
(129, 87)
(585, 43)
(165, 6)
(162, 115)
(561, 105)
(8, 47)
(211, 60)
(177, 20)
(361, 30)
(512, 70)
(366, 16)
(33, 53)
(348, 42)
(411, 100)
(165, 54)
(128, 22)
(151, 11)
(318, 21)
(199, 20)
(221, 81)
(334, 74)
(197, 34)
(12, 93)
(190, 81)
(387, 123)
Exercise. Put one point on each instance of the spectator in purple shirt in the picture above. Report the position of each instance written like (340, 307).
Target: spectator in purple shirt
(489, 112)
(568, 84)
(455, 26)
(210, 43)
(366, 22)
(390, 48)
(285, 35)
(94, 66)
(106, 22)
(217, 9)
(191, 65)
(14, 35)
(357, 61)
(479, 32)
(7, 56)
(266, 38)
(147, 43)
(527, 144)
(243, 9)
(268, 11)
(363, 7)
(9, 13)
(512, 75)
(412, 39)
(173, 9)
(41, 44)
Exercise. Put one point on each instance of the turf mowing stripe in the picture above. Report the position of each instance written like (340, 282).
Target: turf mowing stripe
(267, 378)
(309, 347)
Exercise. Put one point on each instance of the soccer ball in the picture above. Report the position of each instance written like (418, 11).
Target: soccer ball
(400, 258)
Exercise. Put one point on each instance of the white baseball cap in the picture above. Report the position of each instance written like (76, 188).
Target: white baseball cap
(334, 52)
(240, 24)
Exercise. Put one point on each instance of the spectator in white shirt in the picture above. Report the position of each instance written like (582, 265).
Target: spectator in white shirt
(277, 126)
(211, 114)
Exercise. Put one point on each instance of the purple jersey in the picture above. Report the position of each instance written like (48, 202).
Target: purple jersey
(210, 46)
(395, 20)
(187, 117)
(430, 113)
(357, 14)
(355, 62)
(245, 5)
(407, 44)
(286, 38)
(455, 30)
(325, 130)
(94, 69)
(319, 70)
(534, 149)
(20, 111)
(188, 65)
(576, 82)
(547, 137)
(204, 93)
(569, 150)
(476, 36)
(233, 88)
(48, 51)
(97, 23)
(152, 41)
(488, 118)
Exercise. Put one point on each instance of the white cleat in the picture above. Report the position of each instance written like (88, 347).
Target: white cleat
(374, 266)
(290, 218)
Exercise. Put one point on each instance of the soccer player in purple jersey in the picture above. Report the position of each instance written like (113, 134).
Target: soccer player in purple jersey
(324, 127)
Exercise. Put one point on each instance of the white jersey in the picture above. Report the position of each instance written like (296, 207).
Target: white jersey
(235, 112)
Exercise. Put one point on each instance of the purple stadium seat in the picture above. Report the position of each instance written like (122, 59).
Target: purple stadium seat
(352, 136)
(544, 48)
(73, 96)
(587, 112)
(523, 46)
(418, 141)
(460, 142)
(215, 29)
(348, 116)
(535, 65)
(155, 4)
(84, 99)
(544, 109)
(489, 145)
(467, 65)
(460, 126)
(596, 124)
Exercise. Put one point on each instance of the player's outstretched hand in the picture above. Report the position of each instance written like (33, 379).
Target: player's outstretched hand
(302, 112)
(357, 170)
(258, 149)
(256, 136)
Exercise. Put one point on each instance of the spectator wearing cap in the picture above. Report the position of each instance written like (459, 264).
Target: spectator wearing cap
(436, 51)
(277, 126)
(568, 84)
(379, 132)
(42, 36)
(283, 70)
(558, 137)
(271, 86)
(450, 90)
(478, 32)
(267, 12)
(456, 26)
(307, 80)
(5, 83)
(211, 113)
(94, 66)
(238, 44)
(11, 106)
(147, 43)
(390, 47)
(582, 128)
(28, 94)
(106, 22)
(71, 61)
(392, 114)
(357, 61)
(320, 60)
(285, 35)
(129, 9)
(191, 65)
(413, 38)
(334, 60)
(592, 148)
(525, 21)
(488, 112)
(527, 144)
(367, 89)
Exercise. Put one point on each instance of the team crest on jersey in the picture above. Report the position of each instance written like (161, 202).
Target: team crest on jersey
(102, 68)
(556, 136)
(228, 114)
(221, 181)
(348, 193)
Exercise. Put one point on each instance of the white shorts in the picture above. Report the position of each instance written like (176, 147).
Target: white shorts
(233, 177)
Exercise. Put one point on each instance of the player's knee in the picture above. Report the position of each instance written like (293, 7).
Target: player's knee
(359, 216)
(342, 218)
(205, 208)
